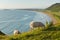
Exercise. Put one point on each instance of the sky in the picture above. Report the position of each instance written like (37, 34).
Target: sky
(22, 4)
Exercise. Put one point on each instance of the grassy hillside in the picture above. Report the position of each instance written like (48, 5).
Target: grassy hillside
(54, 10)
(54, 7)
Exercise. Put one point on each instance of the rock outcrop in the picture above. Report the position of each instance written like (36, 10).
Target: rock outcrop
(36, 24)
(1, 33)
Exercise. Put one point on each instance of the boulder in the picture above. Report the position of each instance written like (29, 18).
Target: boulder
(36, 24)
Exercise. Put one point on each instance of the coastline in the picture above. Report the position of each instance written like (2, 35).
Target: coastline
(52, 17)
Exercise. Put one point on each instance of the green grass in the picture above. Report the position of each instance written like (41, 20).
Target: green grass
(56, 15)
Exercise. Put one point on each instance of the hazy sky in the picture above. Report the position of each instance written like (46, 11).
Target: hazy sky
(14, 4)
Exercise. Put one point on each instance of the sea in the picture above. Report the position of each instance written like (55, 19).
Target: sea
(11, 20)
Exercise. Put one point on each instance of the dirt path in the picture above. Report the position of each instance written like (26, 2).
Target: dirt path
(52, 17)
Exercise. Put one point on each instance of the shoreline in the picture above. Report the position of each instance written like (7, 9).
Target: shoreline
(52, 17)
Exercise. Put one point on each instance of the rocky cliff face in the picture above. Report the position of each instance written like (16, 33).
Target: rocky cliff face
(1, 33)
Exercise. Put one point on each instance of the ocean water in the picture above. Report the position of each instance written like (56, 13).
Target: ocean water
(11, 20)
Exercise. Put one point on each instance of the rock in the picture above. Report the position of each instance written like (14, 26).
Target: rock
(16, 32)
(36, 24)
(1, 33)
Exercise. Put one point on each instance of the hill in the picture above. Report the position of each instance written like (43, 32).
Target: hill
(54, 10)
(54, 7)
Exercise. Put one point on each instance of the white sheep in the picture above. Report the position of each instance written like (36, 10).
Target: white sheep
(16, 32)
